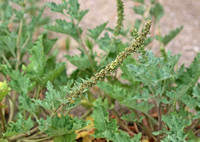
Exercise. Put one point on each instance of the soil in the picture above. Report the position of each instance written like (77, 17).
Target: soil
(177, 13)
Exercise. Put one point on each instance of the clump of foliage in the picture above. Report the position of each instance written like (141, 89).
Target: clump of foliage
(157, 99)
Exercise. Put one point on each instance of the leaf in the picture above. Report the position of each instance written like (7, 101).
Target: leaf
(188, 79)
(157, 11)
(74, 12)
(53, 74)
(137, 24)
(131, 117)
(152, 70)
(170, 36)
(20, 126)
(140, 1)
(47, 43)
(27, 104)
(105, 128)
(61, 126)
(94, 33)
(176, 125)
(82, 61)
(139, 9)
(19, 82)
(36, 67)
(57, 7)
(61, 26)
(108, 128)
(53, 99)
(65, 138)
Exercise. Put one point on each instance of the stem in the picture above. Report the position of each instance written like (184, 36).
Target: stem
(122, 124)
(23, 135)
(147, 132)
(12, 107)
(86, 114)
(38, 140)
(84, 47)
(18, 44)
(2, 119)
(7, 62)
(159, 116)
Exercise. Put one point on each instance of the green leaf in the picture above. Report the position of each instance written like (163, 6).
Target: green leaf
(53, 99)
(61, 126)
(74, 12)
(108, 128)
(170, 36)
(82, 61)
(94, 33)
(140, 1)
(62, 26)
(153, 70)
(36, 67)
(58, 7)
(47, 43)
(105, 128)
(19, 82)
(53, 74)
(27, 104)
(20, 126)
(132, 117)
(176, 126)
(66, 138)
(157, 11)
(139, 9)
(89, 43)
(186, 80)
(137, 24)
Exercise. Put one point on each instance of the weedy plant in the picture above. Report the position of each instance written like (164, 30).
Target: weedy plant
(156, 101)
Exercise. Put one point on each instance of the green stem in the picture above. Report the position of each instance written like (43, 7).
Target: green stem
(37, 140)
(84, 47)
(7, 62)
(86, 114)
(23, 135)
(122, 124)
(2, 119)
(18, 44)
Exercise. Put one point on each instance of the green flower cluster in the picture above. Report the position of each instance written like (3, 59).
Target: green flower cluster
(120, 15)
(113, 65)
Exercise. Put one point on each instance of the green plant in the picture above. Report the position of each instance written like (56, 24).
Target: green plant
(39, 95)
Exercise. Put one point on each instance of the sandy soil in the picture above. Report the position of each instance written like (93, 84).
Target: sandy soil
(177, 13)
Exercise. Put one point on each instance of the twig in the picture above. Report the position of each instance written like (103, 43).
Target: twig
(23, 135)
(122, 124)
(2, 119)
(84, 47)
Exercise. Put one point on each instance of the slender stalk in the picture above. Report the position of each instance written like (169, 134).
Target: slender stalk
(2, 119)
(12, 110)
(6, 60)
(86, 114)
(84, 47)
(122, 124)
(18, 44)
(37, 140)
(23, 135)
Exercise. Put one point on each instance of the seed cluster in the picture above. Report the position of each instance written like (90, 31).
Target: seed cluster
(120, 15)
(113, 65)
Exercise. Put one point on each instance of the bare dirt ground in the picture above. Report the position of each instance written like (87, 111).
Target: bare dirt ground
(177, 13)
